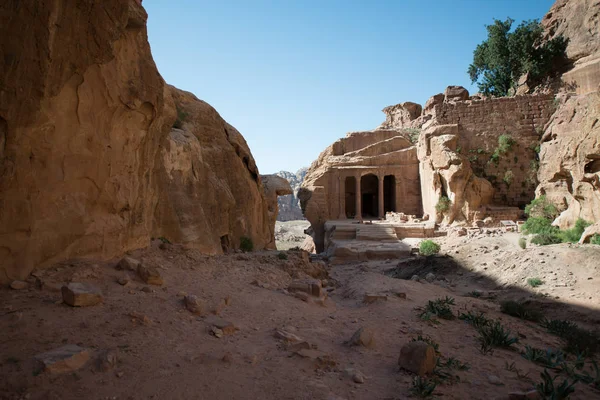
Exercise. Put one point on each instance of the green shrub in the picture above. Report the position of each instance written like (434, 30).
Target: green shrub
(429, 341)
(505, 143)
(443, 204)
(595, 239)
(246, 244)
(535, 282)
(413, 134)
(577, 340)
(429, 248)
(477, 320)
(548, 390)
(422, 387)
(520, 310)
(438, 308)
(574, 234)
(522, 243)
(542, 208)
(495, 335)
(181, 117)
(508, 177)
(539, 225)
(544, 239)
(282, 256)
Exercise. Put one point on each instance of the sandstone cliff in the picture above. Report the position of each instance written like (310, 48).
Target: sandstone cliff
(569, 171)
(289, 205)
(89, 162)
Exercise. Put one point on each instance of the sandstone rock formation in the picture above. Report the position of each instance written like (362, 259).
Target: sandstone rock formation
(89, 162)
(275, 186)
(289, 205)
(569, 171)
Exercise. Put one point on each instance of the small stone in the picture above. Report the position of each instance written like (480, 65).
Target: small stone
(311, 286)
(194, 304)
(358, 377)
(227, 358)
(310, 353)
(373, 298)
(401, 295)
(363, 337)
(287, 336)
(226, 327)
(106, 360)
(123, 281)
(19, 285)
(139, 317)
(430, 277)
(128, 264)
(81, 294)
(417, 357)
(150, 275)
(415, 278)
(68, 358)
(218, 333)
(120, 374)
(494, 380)
(146, 289)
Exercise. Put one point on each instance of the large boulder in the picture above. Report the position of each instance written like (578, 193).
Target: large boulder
(401, 115)
(456, 93)
(275, 186)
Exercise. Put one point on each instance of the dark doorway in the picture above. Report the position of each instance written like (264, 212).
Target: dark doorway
(389, 193)
(350, 196)
(369, 188)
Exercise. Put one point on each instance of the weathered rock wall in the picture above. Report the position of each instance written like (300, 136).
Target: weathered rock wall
(88, 158)
(289, 205)
(480, 123)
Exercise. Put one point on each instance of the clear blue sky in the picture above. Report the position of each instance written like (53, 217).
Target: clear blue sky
(293, 76)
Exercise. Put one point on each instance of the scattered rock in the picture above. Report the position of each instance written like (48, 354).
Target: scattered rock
(106, 360)
(358, 377)
(312, 287)
(494, 380)
(310, 353)
(194, 304)
(430, 277)
(19, 285)
(415, 278)
(287, 336)
(401, 295)
(139, 317)
(417, 357)
(68, 358)
(218, 333)
(124, 280)
(81, 294)
(363, 337)
(150, 275)
(226, 327)
(146, 289)
(128, 264)
(372, 298)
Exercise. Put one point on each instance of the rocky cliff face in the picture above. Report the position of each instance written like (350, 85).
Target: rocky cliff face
(89, 162)
(569, 171)
(289, 205)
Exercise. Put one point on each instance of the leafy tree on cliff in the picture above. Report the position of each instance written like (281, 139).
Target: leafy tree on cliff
(506, 55)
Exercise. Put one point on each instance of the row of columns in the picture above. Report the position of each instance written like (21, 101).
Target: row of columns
(358, 204)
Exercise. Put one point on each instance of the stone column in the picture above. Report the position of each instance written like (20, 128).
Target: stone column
(342, 186)
(380, 197)
(358, 199)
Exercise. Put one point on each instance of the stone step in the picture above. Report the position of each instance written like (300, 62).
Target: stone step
(376, 233)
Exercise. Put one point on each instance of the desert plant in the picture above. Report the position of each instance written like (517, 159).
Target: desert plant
(520, 310)
(413, 134)
(522, 243)
(443, 204)
(595, 239)
(538, 225)
(549, 358)
(422, 387)
(545, 239)
(477, 320)
(246, 244)
(508, 177)
(495, 335)
(164, 240)
(541, 208)
(438, 308)
(505, 143)
(181, 117)
(577, 340)
(548, 390)
(428, 248)
(513, 368)
(282, 256)
(574, 234)
(535, 282)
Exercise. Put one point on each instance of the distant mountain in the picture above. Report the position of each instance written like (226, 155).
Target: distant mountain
(289, 206)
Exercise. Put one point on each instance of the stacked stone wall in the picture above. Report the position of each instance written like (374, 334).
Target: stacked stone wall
(482, 122)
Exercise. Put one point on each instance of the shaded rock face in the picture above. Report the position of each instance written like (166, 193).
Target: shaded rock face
(85, 140)
(569, 171)
(579, 22)
(289, 205)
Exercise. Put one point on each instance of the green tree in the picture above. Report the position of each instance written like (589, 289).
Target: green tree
(506, 55)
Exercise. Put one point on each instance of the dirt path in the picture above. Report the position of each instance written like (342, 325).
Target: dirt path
(173, 355)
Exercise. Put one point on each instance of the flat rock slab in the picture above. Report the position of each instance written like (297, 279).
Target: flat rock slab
(128, 264)
(68, 358)
(150, 275)
(312, 287)
(374, 298)
(228, 328)
(81, 294)
(19, 285)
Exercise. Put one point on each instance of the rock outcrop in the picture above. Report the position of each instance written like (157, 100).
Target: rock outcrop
(90, 165)
(275, 186)
(289, 205)
(569, 172)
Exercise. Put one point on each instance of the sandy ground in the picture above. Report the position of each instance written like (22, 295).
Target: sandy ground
(174, 356)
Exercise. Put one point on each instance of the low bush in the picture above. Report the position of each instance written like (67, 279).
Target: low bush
(548, 390)
(535, 282)
(429, 248)
(522, 243)
(545, 239)
(541, 208)
(282, 256)
(520, 310)
(574, 234)
(577, 340)
(495, 335)
(422, 388)
(246, 244)
(539, 225)
(443, 204)
(595, 239)
(438, 308)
